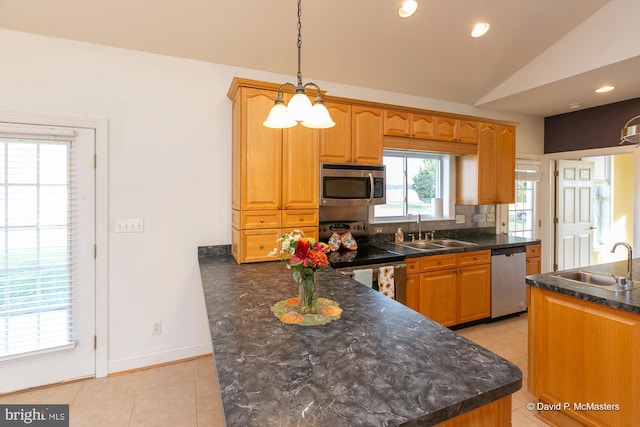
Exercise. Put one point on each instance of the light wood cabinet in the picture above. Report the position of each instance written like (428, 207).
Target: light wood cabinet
(581, 352)
(489, 176)
(274, 177)
(356, 137)
(455, 130)
(412, 125)
(453, 288)
(533, 265)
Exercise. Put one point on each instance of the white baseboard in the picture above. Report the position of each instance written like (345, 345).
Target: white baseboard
(151, 359)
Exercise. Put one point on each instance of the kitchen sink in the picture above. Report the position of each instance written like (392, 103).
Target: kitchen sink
(422, 244)
(437, 244)
(602, 281)
(450, 243)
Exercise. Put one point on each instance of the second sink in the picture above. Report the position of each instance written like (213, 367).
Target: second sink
(594, 279)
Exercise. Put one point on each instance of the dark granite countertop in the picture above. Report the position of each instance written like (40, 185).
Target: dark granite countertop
(381, 364)
(626, 300)
(482, 242)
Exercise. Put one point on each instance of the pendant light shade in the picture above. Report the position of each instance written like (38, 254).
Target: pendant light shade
(630, 133)
(299, 109)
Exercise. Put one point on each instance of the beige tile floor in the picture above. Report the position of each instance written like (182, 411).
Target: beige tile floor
(186, 394)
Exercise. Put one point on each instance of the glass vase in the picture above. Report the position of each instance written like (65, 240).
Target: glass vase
(307, 292)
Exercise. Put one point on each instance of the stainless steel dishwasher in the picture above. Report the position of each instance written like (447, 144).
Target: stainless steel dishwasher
(508, 288)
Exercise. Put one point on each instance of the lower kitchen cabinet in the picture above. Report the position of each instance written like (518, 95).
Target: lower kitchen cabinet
(534, 264)
(583, 353)
(451, 289)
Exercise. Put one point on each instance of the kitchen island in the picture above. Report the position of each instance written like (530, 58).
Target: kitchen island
(584, 348)
(379, 364)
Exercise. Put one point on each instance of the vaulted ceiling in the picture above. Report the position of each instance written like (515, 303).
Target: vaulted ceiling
(538, 57)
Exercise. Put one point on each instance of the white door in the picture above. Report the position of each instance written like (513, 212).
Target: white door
(574, 213)
(47, 265)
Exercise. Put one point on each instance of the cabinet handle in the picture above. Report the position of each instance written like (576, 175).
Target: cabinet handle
(439, 262)
(301, 218)
(261, 245)
(261, 220)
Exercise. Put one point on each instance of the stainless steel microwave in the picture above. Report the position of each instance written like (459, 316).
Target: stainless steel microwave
(346, 184)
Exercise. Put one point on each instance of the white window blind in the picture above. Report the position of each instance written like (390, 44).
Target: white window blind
(528, 170)
(36, 240)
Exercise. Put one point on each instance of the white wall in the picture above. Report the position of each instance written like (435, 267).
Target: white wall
(169, 153)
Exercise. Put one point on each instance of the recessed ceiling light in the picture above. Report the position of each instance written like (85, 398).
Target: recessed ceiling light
(604, 89)
(480, 29)
(408, 8)
(575, 105)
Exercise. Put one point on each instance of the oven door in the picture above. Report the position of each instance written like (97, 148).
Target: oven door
(399, 273)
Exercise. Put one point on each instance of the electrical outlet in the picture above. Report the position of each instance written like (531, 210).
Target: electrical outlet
(135, 225)
(378, 230)
(460, 219)
(157, 328)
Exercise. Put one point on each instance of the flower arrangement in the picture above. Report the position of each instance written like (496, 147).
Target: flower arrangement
(304, 255)
(301, 252)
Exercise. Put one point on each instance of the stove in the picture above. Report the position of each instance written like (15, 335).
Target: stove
(364, 255)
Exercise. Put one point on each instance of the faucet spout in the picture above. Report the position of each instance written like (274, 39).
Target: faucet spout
(629, 280)
(419, 227)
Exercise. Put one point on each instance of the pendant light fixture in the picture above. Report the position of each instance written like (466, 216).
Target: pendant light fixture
(630, 133)
(299, 110)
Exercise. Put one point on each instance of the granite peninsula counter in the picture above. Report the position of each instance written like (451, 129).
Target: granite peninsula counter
(381, 364)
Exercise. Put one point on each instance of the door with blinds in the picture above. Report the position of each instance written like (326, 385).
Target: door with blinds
(47, 261)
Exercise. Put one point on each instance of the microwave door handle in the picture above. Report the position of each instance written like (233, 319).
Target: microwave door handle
(371, 188)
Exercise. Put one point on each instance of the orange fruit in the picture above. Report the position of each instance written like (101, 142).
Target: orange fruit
(292, 301)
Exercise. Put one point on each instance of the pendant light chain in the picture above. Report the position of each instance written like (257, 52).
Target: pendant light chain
(299, 42)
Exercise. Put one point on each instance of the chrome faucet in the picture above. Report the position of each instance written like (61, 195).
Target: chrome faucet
(419, 227)
(628, 281)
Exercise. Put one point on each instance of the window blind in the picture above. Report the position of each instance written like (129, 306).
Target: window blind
(528, 170)
(37, 267)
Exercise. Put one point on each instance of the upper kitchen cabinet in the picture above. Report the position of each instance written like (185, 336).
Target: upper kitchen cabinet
(256, 153)
(455, 130)
(335, 142)
(356, 137)
(412, 125)
(489, 176)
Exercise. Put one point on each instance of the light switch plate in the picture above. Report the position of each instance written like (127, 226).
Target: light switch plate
(491, 217)
(460, 219)
(135, 225)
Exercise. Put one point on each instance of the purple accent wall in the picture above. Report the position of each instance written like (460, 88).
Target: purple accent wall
(595, 127)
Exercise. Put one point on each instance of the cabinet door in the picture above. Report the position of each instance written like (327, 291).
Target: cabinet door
(487, 168)
(366, 135)
(439, 296)
(422, 126)
(445, 129)
(300, 168)
(396, 123)
(474, 291)
(413, 292)
(506, 164)
(467, 131)
(260, 153)
(335, 142)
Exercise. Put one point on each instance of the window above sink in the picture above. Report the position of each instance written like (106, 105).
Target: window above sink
(417, 183)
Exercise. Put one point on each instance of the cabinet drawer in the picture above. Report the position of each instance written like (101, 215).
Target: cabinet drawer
(534, 250)
(260, 219)
(299, 218)
(438, 262)
(474, 258)
(413, 265)
(256, 244)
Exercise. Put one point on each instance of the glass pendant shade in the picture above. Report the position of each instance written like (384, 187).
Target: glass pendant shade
(279, 117)
(299, 107)
(319, 117)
